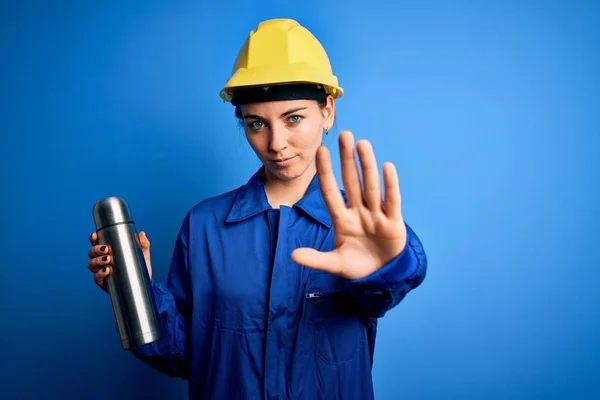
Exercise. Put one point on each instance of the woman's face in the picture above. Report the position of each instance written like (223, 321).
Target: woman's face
(285, 135)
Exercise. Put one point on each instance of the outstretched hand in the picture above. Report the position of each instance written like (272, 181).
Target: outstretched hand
(368, 233)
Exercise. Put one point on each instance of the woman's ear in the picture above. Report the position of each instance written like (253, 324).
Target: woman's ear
(328, 113)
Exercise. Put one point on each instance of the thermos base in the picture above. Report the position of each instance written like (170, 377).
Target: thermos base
(140, 339)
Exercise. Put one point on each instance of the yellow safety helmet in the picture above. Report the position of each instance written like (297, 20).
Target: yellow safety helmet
(281, 51)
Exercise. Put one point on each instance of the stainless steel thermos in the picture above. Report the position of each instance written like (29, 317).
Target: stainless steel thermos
(129, 285)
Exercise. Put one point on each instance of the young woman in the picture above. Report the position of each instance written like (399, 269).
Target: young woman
(275, 288)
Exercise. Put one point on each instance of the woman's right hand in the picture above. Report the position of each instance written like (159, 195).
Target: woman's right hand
(100, 263)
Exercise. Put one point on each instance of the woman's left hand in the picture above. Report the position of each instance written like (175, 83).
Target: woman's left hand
(367, 232)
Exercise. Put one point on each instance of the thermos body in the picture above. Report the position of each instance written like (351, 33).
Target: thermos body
(129, 284)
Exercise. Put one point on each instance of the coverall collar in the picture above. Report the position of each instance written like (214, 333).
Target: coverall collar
(252, 200)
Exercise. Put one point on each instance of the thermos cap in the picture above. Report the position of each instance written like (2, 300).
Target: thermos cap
(111, 211)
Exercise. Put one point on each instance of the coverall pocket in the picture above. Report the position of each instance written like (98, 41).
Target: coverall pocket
(336, 324)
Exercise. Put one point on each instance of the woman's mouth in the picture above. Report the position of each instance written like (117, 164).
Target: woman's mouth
(283, 162)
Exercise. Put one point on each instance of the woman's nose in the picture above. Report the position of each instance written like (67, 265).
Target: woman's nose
(278, 139)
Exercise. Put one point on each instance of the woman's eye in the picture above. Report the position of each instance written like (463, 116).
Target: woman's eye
(255, 125)
(295, 119)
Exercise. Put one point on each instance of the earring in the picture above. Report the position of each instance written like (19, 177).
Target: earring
(326, 130)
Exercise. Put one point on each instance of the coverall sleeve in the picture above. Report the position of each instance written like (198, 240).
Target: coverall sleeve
(169, 355)
(386, 287)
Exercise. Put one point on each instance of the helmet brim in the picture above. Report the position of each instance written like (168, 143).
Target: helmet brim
(278, 75)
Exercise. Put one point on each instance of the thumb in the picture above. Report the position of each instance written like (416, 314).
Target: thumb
(142, 241)
(328, 261)
(144, 244)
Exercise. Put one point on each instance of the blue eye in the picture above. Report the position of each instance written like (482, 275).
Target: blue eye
(256, 125)
(294, 119)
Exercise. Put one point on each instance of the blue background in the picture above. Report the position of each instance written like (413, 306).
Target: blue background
(490, 111)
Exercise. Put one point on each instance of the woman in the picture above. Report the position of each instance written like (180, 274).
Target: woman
(275, 288)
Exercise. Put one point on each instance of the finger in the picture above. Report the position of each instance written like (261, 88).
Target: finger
(100, 278)
(329, 189)
(142, 240)
(98, 263)
(98, 250)
(393, 198)
(372, 187)
(94, 238)
(324, 261)
(350, 174)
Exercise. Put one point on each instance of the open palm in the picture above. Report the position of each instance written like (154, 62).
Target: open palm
(368, 233)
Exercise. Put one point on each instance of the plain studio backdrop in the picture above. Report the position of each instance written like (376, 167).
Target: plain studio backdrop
(490, 111)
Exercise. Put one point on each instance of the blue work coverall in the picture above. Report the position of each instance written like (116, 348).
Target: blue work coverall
(241, 320)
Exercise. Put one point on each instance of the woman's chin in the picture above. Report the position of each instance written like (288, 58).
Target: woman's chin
(287, 173)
